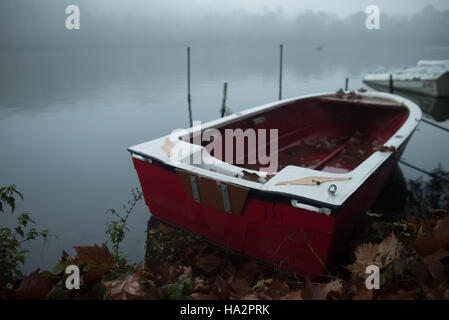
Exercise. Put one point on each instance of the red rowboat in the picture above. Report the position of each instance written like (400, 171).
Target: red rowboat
(330, 157)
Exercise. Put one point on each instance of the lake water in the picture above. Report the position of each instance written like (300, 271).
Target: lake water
(66, 119)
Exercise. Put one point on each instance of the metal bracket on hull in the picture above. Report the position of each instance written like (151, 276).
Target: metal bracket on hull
(225, 196)
(194, 186)
(222, 196)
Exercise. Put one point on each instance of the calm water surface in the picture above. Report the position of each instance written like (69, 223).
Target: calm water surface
(66, 119)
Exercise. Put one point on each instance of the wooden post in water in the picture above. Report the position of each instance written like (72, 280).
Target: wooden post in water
(391, 83)
(223, 104)
(280, 70)
(189, 99)
(346, 83)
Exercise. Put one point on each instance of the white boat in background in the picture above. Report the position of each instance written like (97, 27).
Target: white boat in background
(429, 77)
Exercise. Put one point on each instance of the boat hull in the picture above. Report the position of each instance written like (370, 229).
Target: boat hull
(269, 228)
(436, 87)
(335, 153)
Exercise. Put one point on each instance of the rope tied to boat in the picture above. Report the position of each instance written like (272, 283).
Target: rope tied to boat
(435, 125)
(423, 171)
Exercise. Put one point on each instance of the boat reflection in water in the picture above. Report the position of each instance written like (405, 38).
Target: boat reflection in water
(392, 202)
(437, 108)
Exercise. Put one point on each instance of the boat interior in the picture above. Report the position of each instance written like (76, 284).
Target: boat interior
(326, 133)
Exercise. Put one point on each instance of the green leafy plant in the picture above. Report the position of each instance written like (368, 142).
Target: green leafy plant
(117, 228)
(12, 255)
(179, 289)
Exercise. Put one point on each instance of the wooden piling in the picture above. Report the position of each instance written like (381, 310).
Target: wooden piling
(391, 84)
(223, 103)
(280, 70)
(189, 98)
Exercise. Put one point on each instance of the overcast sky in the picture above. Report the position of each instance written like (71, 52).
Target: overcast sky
(40, 24)
(340, 7)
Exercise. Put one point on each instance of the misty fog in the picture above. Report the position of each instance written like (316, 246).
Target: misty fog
(40, 25)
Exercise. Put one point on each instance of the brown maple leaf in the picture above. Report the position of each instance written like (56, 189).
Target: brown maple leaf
(294, 295)
(381, 255)
(95, 255)
(430, 240)
(434, 265)
(277, 289)
(321, 291)
(385, 148)
(95, 260)
(35, 286)
(250, 176)
(126, 288)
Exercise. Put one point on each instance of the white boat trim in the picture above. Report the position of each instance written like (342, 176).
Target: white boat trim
(226, 172)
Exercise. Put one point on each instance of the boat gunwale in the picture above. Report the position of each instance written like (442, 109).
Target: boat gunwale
(152, 150)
